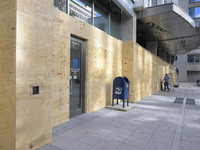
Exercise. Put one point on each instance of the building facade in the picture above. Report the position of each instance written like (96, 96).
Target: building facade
(188, 63)
(188, 66)
(59, 58)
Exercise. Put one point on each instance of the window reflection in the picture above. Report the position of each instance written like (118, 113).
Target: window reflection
(115, 27)
(190, 1)
(80, 9)
(100, 18)
(61, 5)
(194, 12)
(106, 14)
(193, 58)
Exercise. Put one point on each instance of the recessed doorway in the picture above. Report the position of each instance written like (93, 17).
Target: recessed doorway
(77, 76)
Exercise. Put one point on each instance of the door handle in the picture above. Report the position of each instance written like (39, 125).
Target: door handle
(70, 92)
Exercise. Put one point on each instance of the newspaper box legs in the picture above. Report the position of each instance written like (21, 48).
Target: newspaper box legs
(121, 90)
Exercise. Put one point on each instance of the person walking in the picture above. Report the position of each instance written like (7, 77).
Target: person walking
(166, 79)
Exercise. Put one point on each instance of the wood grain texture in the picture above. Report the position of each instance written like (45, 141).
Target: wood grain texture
(128, 64)
(34, 68)
(144, 70)
(104, 62)
(61, 67)
(7, 74)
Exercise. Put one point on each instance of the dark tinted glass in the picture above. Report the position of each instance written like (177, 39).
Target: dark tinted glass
(190, 1)
(190, 58)
(61, 5)
(100, 18)
(194, 12)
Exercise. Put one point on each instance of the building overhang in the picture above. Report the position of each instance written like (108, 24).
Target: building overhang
(126, 6)
(171, 26)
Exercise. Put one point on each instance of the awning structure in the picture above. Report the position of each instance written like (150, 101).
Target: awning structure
(171, 26)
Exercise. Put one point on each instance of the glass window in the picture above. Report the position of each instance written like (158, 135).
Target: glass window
(194, 12)
(61, 5)
(81, 9)
(115, 21)
(100, 18)
(196, 58)
(115, 27)
(148, 3)
(190, 59)
(191, 1)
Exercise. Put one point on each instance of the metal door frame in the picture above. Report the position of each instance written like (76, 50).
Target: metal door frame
(82, 73)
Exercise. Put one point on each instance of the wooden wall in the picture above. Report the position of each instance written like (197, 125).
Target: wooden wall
(128, 65)
(104, 58)
(61, 67)
(103, 63)
(144, 70)
(41, 57)
(7, 74)
(34, 68)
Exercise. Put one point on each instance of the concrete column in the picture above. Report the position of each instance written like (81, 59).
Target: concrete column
(152, 45)
(162, 54)
(168, 57)
(129, 30)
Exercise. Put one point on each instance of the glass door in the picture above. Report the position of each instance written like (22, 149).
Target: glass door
(77, 62)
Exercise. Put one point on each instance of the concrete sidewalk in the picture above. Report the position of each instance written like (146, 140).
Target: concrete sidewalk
(155, 123)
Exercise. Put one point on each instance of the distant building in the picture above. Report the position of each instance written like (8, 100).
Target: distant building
(188, 64)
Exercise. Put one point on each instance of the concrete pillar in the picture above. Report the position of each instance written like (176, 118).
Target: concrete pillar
(168, 57)
(152, 45)
(162, 54)
(129, 30)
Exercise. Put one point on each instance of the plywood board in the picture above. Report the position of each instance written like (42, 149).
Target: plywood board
(144, 69)
(34, 68)
(128, 65)
(104, 56)
(61, 67)
(7, 74)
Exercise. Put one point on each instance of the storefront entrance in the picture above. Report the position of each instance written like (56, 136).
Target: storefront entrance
(77, 76)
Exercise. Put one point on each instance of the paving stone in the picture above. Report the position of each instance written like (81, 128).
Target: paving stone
(157, 146)
(129, 147)
(91, 139)
(109, 145)
(49, 147)
(162, 139)
(137, 142)
(154, 123)
(185, 145)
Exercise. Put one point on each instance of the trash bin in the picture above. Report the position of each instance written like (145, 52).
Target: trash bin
(121, 90)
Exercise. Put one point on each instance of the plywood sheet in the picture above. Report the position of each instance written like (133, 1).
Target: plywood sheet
(61, 67)
(34, 68)
(104, 61)
(7, 74)
(128, 65)
(144, 69)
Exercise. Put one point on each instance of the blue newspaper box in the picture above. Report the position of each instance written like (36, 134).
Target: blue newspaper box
(121, 90)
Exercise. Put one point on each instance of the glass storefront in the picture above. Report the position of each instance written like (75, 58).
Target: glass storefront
(101, 18)
(194, 12)
(191, 1)
(81, 9)
(61, 5)
(115, 29)
(193, 58)
(103, 14)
